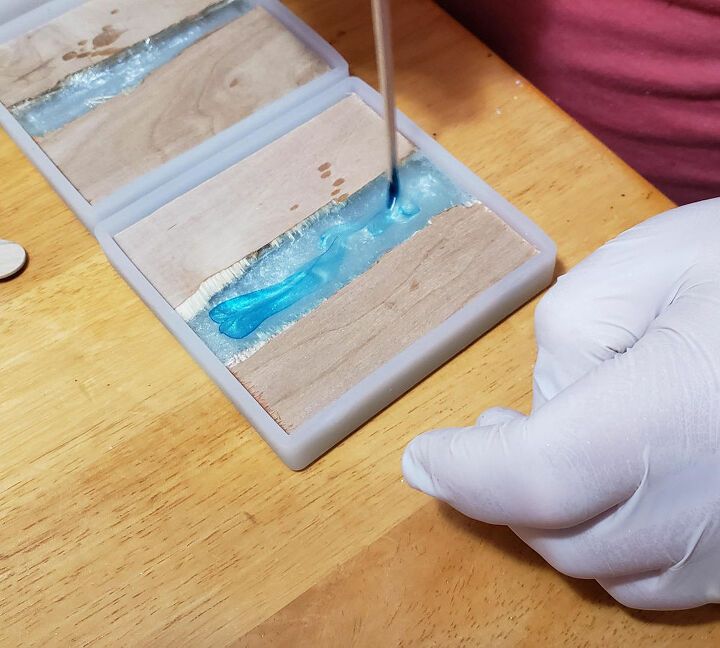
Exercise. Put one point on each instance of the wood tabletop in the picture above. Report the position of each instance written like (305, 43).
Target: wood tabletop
(139, 509)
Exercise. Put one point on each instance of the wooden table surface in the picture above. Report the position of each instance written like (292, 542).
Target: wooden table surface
(138, 508)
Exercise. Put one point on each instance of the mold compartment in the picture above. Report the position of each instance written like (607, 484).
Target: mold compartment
(112, 98)
(364, 337)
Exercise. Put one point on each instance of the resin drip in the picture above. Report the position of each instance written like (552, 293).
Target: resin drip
(86, 89)
(306, 266)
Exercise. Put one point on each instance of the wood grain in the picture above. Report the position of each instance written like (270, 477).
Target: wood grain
(406, 294)
(243, 209)
(441, 579)
(139, 509)
(38, 60)
(207, 88)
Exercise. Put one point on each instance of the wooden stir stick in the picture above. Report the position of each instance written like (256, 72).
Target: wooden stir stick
(386, 71)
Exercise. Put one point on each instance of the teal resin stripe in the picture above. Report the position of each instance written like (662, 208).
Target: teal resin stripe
(82, 91)
(324, 253)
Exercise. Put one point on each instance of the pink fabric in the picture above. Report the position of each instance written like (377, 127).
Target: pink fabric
(642, 75)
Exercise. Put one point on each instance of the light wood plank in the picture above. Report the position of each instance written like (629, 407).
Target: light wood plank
(252, 203)
(406, 294)
(38, 60)
(210, 86)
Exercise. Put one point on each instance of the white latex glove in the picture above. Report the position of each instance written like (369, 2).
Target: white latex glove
(616, 473)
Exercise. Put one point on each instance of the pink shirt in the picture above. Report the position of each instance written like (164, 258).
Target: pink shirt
(642, 75)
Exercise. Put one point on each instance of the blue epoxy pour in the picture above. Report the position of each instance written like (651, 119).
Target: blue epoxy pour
(86, 89)
(335, 245)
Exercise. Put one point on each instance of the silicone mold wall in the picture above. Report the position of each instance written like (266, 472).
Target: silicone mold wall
(383, 385)
(92, 213)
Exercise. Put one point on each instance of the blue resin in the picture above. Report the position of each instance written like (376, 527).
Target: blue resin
(309, 265)
(86, 89)
(240, 316)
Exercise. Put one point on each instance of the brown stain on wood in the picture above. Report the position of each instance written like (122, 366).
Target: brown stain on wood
(324, 167)
(338, 182)
(100, 43)
(294, 207)
(335, 192)
(106, 37)
(33, 63)
(234, 82)
(109, 51)
(343, 198)
(327, 174)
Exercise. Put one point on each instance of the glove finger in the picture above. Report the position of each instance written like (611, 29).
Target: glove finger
(497, 416)
(421, 479)
(648, 592)
(671, 589)
(572, 459)
(605, 304)
(663, 525)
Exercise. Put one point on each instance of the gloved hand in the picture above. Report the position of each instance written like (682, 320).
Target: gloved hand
(616, 473)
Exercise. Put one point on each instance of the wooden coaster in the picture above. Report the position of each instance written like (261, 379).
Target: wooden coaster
(406, 294)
